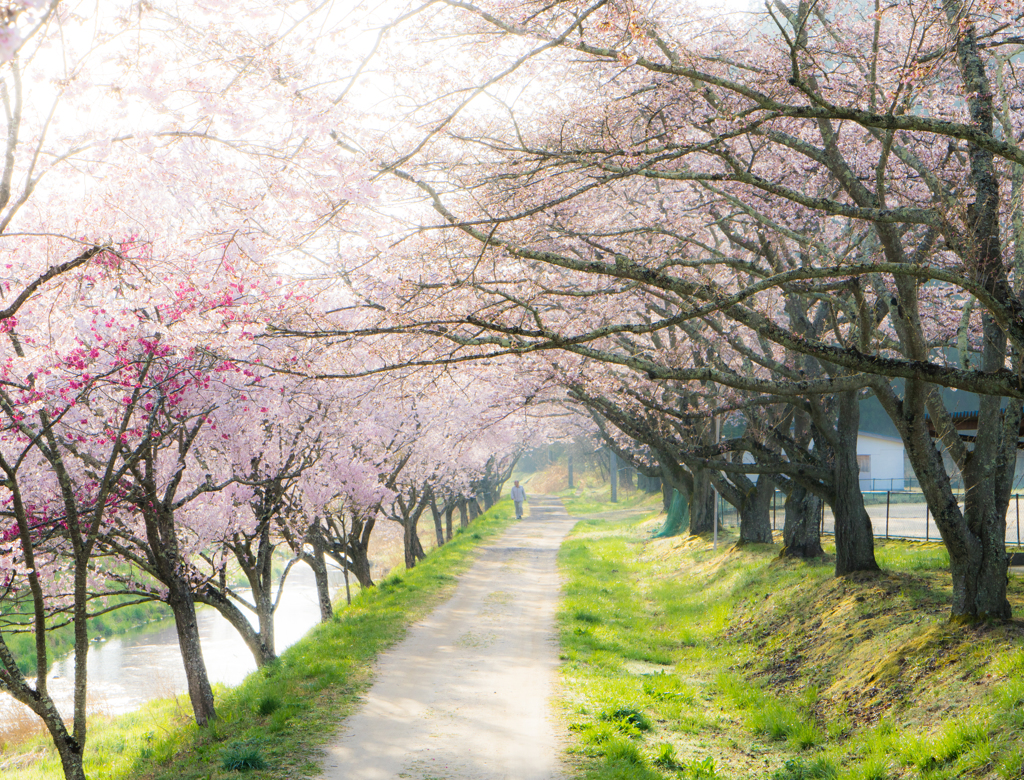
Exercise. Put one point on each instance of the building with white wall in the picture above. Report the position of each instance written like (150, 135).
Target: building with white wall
(880, 459)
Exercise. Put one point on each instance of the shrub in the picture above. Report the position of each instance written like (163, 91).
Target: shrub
(629, 717)
(619, 749)
(242, 757)
(267, 705)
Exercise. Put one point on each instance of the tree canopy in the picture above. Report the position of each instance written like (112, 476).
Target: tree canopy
(276, 273)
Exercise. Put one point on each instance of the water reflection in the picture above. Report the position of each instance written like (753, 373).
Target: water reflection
(127, 671)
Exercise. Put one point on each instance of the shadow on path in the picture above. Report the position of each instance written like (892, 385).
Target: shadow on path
(465, 696)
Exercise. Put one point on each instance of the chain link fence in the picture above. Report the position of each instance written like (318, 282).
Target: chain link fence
(895, 514)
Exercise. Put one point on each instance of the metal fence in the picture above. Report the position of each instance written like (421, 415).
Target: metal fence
(895, 514)
(881, 485)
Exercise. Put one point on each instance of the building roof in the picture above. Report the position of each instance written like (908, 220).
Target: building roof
(968, 422)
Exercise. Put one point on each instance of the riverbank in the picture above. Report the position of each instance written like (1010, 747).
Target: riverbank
(683, 662)
(280, 716)
(61, 641)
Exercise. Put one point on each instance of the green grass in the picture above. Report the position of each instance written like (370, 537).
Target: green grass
(283, 714)
(243, 756)
(912, 556)
(594, 495)
(745, 666)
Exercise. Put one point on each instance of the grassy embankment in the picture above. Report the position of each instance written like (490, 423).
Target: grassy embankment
(684, 663)
(591, 491)
(282, 715)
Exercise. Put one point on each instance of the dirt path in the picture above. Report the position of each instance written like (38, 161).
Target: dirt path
(465, 695)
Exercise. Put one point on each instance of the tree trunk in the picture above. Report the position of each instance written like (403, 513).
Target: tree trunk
(855, 541)
(264, 600)
(979, 585)
(359, 564)
(323, 586)
(755, 513)
(474, 509)
(39, 701)
(979, 567)
(975, 536)
(570, 472)
(357, 549)
(319, 566)
(408, 535)
(702, 504)
(163, 552)
(256, 641)
(448, 512)
(179, 599)
(438, 527)
(411, 538)
(68, 749)
(463, 514)
(417, 546)
(81, 627)
(753, 503)
(801, 536)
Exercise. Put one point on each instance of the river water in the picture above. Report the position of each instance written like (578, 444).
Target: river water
(125, 672)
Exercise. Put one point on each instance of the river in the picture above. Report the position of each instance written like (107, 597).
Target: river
(125, 672)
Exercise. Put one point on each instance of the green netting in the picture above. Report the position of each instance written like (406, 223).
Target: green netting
(678, 516)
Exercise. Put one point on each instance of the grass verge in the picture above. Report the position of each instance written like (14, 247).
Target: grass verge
(594, 497)
(684, 663)
(274, 725)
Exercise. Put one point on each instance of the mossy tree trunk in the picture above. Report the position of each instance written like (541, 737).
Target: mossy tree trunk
(855, 540)
(801, 537)
(755, 512)
(702, 503)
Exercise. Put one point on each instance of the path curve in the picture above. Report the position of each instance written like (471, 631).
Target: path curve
(466, 695)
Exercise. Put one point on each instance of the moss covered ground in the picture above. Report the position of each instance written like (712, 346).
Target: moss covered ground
(683, 662)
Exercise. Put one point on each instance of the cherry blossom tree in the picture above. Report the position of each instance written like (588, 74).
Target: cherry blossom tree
(53, 509)
(77, 378)
(906, 145)
(140, 208)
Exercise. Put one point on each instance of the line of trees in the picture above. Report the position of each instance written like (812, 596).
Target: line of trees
(171, 184)
(241, 317)
(140, 462)
(759, 217)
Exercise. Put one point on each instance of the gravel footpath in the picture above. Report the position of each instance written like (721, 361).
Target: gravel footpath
(465, 696)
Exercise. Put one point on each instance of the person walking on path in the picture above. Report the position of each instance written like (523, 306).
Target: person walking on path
(518, 494)
(495, 719)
